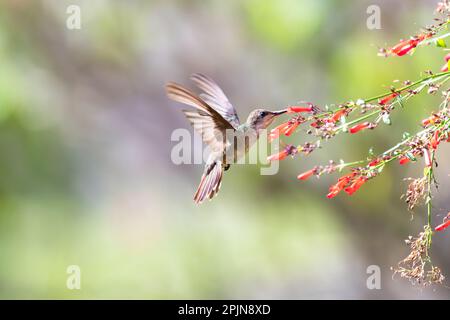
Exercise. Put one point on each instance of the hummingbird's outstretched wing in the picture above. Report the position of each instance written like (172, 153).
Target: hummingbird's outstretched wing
(205, 120)
(211, 125)
(215, 97)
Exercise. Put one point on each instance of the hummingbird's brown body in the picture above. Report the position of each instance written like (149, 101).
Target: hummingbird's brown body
(216, 120)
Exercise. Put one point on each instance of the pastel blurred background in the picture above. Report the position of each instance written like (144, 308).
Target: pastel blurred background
(85, 171)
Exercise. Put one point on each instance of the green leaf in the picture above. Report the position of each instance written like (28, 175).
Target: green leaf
(441, 43)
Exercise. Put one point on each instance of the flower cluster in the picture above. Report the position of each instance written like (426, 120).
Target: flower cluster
(353, 117)
(407, 46)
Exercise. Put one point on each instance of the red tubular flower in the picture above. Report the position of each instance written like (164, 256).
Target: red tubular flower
(333, 193)
(405, 46)
(404, 160)
(355, 185)
(443, 226)
(447, 57)
(298, 109)
(289, 150)
(434, 142)
(347, 177)
(286, 129)
(276, 132)
(342, 182)
(337, 116)
(306, 175)
(278, 156)
(374, 162)
(388, 98)
(359, 127)
(291, 128)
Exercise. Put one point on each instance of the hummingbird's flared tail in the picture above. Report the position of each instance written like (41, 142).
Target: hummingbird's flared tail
(210, 183)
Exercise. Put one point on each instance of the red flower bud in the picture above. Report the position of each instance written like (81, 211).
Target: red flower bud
(278, 156)
(306, 175)
(434, 142)
(388, 98)
(443, 226)
(297, 109)
(333, 193)
(359, 127)
(337, 115)
(404, 160)
(289, 150)
(405, 46)
(374, 162)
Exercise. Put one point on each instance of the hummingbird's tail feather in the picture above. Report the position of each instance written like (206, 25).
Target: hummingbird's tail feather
(210, 183)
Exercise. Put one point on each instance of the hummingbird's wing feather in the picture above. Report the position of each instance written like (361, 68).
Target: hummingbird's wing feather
(203, 124)
(215, 97)
(178, 93)
(205, 120)
(210, 183)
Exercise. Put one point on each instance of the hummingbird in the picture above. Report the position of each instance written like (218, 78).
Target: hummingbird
(217, 122)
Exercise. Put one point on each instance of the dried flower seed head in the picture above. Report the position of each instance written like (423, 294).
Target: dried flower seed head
(415, 192)
(416, 267)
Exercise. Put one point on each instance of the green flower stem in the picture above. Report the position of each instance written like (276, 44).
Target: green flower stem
(409, 86)
(429, 194)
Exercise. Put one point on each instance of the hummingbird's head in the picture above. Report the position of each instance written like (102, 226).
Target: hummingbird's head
(260, 119)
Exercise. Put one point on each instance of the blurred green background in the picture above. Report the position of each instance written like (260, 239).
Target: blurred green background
(85, 172)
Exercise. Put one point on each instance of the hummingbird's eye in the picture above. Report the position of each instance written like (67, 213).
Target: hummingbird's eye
(262, 113)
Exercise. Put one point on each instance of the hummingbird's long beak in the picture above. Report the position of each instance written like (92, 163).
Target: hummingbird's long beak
(280, 112)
